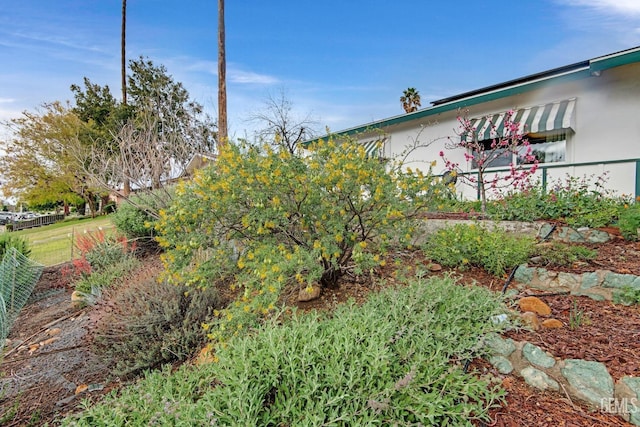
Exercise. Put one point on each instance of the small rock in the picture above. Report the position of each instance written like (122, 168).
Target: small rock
(536, 356)
(502, 364)
(627, 398)
(552, 324)
(538, 379)
(435, 267)
(530, 319)
(309, 293)
(498, 345)
(590, 380)
(66, 400)
(206, 356)
(53, 332)
(78, 299)
(535, 305)
(49, 341)
(95, 387)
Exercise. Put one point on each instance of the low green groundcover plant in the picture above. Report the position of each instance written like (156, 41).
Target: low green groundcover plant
(396, 360)
(629, 221)
(626, 296)
(562, 254)
(465, 245)
(577, 201)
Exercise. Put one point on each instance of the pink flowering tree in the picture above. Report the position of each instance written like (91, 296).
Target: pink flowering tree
(508, 147)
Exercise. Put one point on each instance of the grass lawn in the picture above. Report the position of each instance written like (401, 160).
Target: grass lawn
(52, 244)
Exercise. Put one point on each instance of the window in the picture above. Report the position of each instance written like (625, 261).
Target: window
(547, 148)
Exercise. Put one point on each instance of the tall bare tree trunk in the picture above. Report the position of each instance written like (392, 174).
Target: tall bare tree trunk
(222, 78)
(123, 52)
(123, 74)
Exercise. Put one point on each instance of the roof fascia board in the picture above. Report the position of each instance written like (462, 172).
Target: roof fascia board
(615, 60)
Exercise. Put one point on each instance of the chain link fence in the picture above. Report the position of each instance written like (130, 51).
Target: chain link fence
(18, 277)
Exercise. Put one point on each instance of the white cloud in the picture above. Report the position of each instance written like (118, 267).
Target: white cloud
(6, 100)
(235, 74)
(202, 66)
(244, 77)
(613, 7)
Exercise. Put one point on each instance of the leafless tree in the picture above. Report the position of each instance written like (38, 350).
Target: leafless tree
(149, 160)
(280, 126)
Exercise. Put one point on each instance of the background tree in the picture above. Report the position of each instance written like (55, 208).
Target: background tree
(280, 126)
(102, 116)
(150, 140)
(410, 100)
(76, 153)
(183, 129)
(39, 165)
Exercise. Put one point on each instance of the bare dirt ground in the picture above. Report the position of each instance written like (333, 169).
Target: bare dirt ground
(49, 368)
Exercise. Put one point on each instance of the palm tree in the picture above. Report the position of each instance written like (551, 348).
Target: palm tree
(410, 100)
(222, 78)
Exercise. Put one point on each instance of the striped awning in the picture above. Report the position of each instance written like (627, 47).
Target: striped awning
(555, 116)
(374, 148)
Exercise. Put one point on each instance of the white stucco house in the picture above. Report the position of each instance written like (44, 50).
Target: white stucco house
(584, 118)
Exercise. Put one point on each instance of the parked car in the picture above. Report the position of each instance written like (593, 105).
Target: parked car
(24, 216)
(6, 217)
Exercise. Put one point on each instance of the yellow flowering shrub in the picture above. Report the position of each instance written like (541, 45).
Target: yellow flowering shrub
(270, 219)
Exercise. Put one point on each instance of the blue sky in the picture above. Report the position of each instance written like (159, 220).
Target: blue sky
(344, 63)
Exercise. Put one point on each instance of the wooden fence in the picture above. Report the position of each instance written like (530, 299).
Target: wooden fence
(35, 222)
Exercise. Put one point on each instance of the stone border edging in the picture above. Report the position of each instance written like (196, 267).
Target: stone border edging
(599, 285)
(584, 380)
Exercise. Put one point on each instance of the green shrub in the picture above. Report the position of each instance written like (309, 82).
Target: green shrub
(580, 202)
(95, 282)
(154, 323)
(464, 245)
(527, 204)
(271, 219)
(106, 254)
(629, 221)
(136, 219)
(12, 241)
(562, 254)
(396, 360)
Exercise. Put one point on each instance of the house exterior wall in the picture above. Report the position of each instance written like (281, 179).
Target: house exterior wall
(606, 129)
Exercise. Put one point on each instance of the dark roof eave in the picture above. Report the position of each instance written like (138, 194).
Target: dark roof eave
(542, 75)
